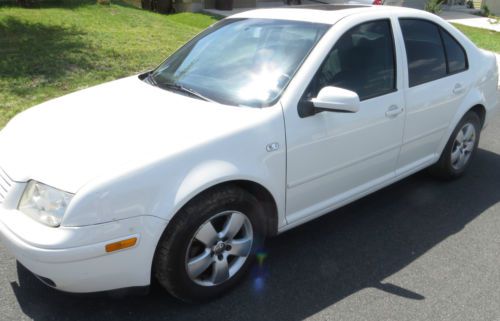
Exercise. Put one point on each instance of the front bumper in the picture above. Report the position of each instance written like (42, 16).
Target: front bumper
(74, 258)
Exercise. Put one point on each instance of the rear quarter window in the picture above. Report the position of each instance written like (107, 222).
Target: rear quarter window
(455, 53)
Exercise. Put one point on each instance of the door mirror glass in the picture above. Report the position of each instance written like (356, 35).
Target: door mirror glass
(336, 99)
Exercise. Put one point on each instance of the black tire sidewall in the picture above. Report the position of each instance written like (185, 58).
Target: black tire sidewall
(171, 263)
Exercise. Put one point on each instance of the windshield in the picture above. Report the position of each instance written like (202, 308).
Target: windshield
(242, 62)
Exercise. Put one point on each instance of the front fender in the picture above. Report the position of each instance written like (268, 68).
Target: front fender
(163, 186)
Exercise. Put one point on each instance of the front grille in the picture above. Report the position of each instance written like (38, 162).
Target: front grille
(5, 185)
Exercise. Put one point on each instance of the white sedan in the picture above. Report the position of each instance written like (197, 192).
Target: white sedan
(266, 120)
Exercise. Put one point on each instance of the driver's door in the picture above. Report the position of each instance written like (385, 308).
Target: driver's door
(336, 157)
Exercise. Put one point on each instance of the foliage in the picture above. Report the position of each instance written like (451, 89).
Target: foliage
(433, 6)
(26, 3)
(485, 11)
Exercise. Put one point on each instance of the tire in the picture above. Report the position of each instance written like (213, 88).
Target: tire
(449, 166)
(179, 253)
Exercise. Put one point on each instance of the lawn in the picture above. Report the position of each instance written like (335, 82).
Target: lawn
(486, 39)
(50, 51)
(47, 52)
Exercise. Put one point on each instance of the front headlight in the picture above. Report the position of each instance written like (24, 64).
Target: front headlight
(44, 203)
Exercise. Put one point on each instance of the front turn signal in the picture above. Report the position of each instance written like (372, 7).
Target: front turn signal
(120, 245)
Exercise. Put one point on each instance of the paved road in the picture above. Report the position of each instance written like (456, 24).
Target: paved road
(418, 250)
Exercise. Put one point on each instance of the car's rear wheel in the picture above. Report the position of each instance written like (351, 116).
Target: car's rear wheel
(209, 245)
(460, 149)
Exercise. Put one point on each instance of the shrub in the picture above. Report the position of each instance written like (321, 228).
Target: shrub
(433, 6)
(485, 11)
(26, 3)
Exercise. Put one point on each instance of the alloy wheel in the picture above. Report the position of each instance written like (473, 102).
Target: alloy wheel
(219, 248)
(463, 146)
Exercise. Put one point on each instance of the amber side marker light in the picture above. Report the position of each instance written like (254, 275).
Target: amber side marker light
(120, 245)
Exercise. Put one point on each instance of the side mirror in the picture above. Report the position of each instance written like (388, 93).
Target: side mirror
(337, 100)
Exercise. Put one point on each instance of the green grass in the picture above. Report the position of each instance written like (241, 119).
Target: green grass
(50, 51)
(486, 39)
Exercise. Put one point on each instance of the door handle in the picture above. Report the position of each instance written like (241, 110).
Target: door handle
(458, 89)
(393, 111)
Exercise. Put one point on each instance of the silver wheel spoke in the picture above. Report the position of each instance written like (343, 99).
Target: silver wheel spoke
(455, 155)
(469, 132)
(199, 264)
(463, 146)
(241, 247)
(469, 146)
(233, 225)
(461, 160)
(221, 271)
(207, 234)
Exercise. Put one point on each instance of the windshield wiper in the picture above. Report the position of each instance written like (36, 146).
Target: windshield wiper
(150, 79)
(181, 88)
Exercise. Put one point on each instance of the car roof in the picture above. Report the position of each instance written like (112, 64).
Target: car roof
(321, 13)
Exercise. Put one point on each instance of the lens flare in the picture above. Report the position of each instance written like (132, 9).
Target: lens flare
(261, 256)
(258, 284)
(260, 272)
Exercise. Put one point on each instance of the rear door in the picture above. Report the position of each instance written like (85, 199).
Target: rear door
(436, 81)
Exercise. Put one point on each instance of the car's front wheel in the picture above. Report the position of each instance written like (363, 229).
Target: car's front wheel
(209, 245)
(460, 149)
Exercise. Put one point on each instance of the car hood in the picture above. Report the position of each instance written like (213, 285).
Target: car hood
(68, 141)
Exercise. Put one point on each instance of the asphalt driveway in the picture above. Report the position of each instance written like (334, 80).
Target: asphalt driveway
(418, 250)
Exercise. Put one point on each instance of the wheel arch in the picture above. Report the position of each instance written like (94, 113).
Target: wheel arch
(258, 190)
(473, 102)
(480, 110)
(261, 193)
(264, 196)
